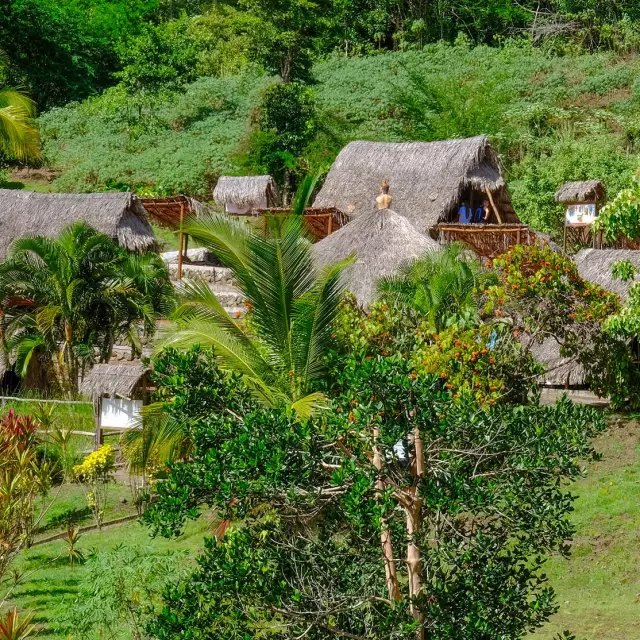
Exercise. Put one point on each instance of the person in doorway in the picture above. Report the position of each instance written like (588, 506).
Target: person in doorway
(481, 214)
(465, 215)
(384, 199)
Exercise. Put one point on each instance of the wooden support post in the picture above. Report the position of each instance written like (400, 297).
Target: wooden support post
(180, 242)
(518, 236)
(330, 225)
(97, 411)
(493, 206)
(564, 239)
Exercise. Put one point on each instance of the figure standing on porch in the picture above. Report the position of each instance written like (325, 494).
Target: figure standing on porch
(465, 215)
(482, 213)
(384, 199)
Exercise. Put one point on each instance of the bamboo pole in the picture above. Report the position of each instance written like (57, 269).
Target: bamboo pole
(493, 206)
(180, 241)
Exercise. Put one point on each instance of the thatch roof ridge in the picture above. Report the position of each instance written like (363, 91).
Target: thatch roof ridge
(595, 265)
(112, 379)
(245, 190)
(427, 179)
(581, 191)
(119, 215)
(382, 241)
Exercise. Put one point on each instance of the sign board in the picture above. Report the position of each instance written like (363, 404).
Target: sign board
(580, 214)
(118, 413)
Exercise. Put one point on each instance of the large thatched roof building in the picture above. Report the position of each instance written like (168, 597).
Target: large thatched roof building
(429, 180)
(243, 194)
(581, 191)
(381, 240)
(119, 215)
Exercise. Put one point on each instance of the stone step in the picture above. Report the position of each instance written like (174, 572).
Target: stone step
(228, 297)
(217, 275)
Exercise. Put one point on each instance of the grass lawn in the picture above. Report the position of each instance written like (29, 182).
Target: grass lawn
(599, 586)
(49, 586)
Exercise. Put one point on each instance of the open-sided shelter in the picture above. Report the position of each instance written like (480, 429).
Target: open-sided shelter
(381, 241)
(582, 200)
(243, 194)
(429, 180)
(118, 215)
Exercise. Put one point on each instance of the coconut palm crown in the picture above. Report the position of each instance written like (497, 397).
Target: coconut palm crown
(279, 347)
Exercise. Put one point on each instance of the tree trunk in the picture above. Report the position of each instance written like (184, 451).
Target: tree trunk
(385, 537)
(414, 515)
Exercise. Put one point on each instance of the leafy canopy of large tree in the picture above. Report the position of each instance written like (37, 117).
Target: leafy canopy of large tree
(401, 514)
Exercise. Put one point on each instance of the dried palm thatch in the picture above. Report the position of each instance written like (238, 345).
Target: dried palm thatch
(561, 371)
(585, 191)
(595, 266)
(382, 242)
(247, 191)
(118, 215)
(428, 179)
(112, 380)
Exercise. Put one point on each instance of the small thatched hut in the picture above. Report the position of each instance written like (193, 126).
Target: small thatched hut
(119, 215)
(429, 180)
(118, 391)
(243, 194)
(581, 191)
(381, 240)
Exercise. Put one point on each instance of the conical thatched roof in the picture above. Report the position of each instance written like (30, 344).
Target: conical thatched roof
(585, 191)
(246, 190)
(112, 380)
(595, 265)
(428, 179)
(382, 242)
(119, 215)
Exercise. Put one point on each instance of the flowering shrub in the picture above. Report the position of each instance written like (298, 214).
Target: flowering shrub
(540, 295)
(487, 363)
(96, 472)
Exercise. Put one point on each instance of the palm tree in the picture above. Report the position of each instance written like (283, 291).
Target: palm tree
(439, 286)
(280, 348)
(18, 136)
(68, 297)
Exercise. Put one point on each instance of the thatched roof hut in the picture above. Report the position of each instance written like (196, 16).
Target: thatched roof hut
(581, 191)
(113, 380)
(595, 266)
(428, 180)
(119, 215)
(243, 194)
(382, 242)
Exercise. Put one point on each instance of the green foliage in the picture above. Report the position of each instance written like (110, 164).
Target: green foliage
(621, 216)
(292, 308)
(161, 57)
(541, 296)
(190, 387)
(65, 297)
(121, 591)
(64, 50)
(439, 287)
(286, 123)
(307, 558)
(487, 363)
(19, 138)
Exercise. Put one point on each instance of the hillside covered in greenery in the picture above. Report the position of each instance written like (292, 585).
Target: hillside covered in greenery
(552, 119)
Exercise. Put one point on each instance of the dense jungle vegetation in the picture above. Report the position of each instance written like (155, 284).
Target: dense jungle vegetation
(164, 96)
